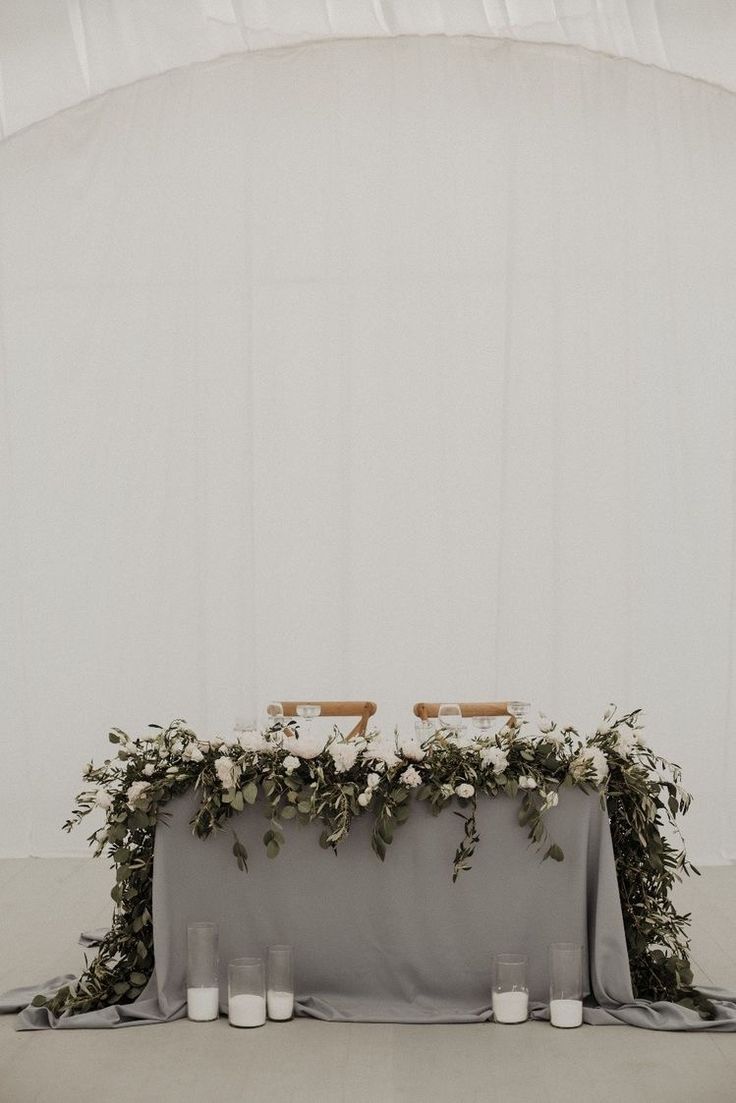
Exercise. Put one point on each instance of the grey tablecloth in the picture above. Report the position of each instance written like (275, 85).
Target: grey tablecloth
(394, 941)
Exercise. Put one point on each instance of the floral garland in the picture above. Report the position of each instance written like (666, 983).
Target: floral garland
(301, 777)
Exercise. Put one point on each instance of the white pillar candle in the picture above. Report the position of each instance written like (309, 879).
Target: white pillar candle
(510, 1007)
(280, 1005)
(203, 1004)
(247, 1010)
(566, 1013)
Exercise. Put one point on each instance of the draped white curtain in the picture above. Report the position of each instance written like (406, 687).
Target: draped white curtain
(397, 368)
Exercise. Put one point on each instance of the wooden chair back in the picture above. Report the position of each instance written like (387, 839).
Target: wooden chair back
(362, 709)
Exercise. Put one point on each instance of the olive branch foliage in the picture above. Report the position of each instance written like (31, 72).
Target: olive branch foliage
(642, 793)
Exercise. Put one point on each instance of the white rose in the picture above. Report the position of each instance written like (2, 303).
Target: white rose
(551, 800)
(137, 794)
(600, 763)
(373, 780)
(411, 777)
(192, 753)
(592, 759)
(545, 724)
(253, 740)
(103, 799)
(603, 729)
(227, 772)
(307, 746)
(526, 782)
(177, 747)
(381, 750)
(344, 755)
(149, 769)
(149, 737)
(412, 749)
(626, 741)
(464, 790)
(364, 799)
(291, 763)
(495, 757)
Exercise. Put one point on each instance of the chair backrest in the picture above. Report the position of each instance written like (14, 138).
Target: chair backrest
(363, 709)
(428, 711)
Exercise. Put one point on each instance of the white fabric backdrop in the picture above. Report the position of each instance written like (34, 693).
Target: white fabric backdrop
(394, 368)
(56, 53)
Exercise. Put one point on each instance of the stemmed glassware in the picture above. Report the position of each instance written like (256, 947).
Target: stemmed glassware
(274, 712)
(308, 713)
(518, 709)
(450, 717)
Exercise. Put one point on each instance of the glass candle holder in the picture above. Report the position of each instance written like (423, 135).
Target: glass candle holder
(510, 988)
(246, 992)
(280, 975)
(203, 991)
(565, 984)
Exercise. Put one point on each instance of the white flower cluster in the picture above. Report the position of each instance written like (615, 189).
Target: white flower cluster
(137, 794)
(381, 749)
(496, 757)
(411, 778)
(590, 760)
(344, 755)
(228, 772)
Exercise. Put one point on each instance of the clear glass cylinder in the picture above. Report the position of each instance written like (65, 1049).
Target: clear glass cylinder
(203, 991)
(246, 992)
(565, 984)
(510, 988)
(280, 976)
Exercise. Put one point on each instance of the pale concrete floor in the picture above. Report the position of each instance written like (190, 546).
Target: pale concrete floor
(44, 904)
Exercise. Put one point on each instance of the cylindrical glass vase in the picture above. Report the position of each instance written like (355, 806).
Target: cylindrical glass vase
(510, 988)
(246, 992)
(280, 975)
(565, 984)
(203, 991)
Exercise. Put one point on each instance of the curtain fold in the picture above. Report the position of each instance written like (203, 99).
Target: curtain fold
(393, 368)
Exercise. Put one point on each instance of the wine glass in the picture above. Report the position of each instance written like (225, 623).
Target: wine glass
(484, 723)
(518, 709)
(423, 729)
(275, 713)
(450, 716)
(308, 713)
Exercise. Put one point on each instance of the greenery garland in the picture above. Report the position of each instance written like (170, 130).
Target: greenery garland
(301, 778)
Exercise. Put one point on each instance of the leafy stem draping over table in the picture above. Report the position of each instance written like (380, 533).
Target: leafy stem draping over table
(298, 776)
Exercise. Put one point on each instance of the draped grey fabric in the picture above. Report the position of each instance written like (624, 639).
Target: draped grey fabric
(394, 941)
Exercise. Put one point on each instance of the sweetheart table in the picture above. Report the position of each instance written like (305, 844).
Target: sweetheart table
(398, 940)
